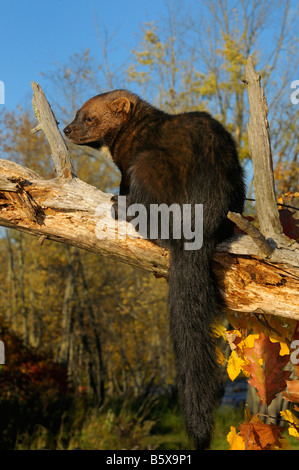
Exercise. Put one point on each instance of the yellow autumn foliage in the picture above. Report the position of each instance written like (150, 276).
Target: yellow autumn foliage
(235, 441)
(293, 423)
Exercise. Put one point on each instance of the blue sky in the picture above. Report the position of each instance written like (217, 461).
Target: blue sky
(36, 33)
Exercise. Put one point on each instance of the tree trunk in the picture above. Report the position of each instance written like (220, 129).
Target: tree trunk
(256, 274)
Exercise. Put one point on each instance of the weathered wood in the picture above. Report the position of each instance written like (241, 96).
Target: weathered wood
(47, 122)
(7, 185)
(253, 232)
(75, 213)
(70, 211)
(260, 152)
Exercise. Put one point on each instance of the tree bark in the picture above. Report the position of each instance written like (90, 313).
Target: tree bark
(261, 154)
(70, 211)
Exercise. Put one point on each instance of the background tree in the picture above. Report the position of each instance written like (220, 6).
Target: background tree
(196, 61)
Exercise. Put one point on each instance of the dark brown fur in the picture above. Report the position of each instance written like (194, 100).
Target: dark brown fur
(184, 158)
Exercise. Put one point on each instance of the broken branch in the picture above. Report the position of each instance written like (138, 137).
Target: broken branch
(260, 152)
(244, 224)
(47, 122)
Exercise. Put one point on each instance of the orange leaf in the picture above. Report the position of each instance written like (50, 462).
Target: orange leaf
(261, 436)
(265, 368)
(292, 392)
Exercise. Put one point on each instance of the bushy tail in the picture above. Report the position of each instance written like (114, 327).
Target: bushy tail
(193, 299)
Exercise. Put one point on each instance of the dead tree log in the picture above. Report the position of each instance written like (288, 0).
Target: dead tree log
(261, 154)
(68, 210)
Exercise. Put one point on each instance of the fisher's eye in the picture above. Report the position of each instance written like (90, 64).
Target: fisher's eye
(89, 119)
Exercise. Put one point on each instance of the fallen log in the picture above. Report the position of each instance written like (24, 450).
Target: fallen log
(70, 211)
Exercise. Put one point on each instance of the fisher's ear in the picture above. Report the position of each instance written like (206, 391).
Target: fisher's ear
(121, 105)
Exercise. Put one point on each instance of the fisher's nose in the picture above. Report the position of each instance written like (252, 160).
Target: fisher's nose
(67, 130)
